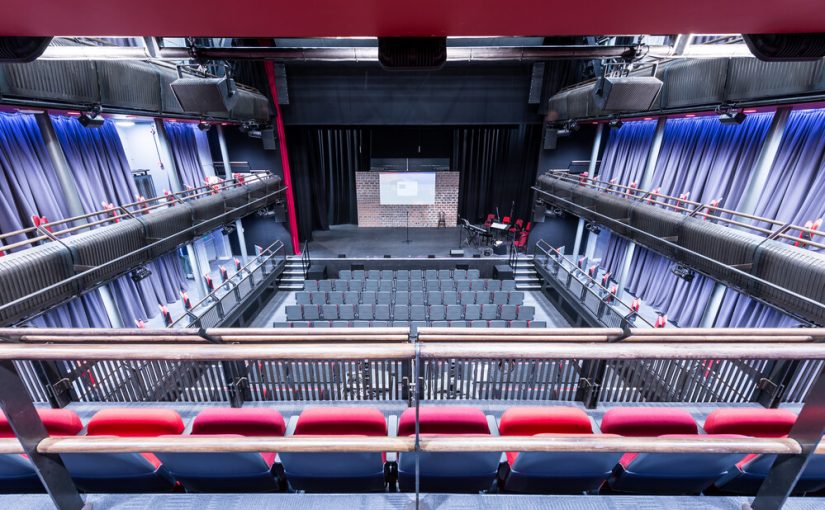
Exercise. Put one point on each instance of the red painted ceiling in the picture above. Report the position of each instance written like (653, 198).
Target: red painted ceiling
(326, 18)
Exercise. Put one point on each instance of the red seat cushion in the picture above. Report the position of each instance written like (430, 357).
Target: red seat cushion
(250, 421)
(648, 421)
(444, 420)
(135, 422)
(750, 422)
(58, 422)
(342, 421)
(528, 421)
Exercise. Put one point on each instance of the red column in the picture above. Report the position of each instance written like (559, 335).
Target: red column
(279, 123)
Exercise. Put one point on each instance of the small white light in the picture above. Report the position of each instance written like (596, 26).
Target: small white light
(125, 123)
(29, 111)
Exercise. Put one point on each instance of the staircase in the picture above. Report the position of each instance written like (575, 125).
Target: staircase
(525, 273)
(292, 278)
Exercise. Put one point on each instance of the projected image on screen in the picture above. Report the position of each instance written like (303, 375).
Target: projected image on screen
(407, 188)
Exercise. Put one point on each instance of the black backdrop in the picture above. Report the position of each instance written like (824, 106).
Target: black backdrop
(497, 166)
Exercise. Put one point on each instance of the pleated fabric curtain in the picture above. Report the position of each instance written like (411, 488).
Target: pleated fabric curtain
(625, 157)
(102, 174)
(710, 161)
(29, 187)
(794, 194)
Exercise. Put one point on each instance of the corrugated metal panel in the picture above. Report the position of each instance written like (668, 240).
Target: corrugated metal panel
(129, 84)
(580, 101)
(557, 106)
(750, 78)
(660, 72)
(169, 102)
(245, 108)
(694, 82)
(65, 81)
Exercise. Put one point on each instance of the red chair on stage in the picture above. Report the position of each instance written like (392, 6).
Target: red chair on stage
(521, 243)
(505, 220)
(529, 226)
(489, 221)
(518, 227)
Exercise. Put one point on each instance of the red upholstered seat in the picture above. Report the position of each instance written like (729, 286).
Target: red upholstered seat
(647, 421)
(242, 421)
(751, 422)
(135, 422)
(342, 421)
(529, 421)
(444, 420)
(58, 422)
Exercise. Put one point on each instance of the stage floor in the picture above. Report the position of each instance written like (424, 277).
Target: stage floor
(355, 242)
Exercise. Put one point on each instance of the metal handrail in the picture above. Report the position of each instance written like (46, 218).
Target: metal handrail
(306, 259)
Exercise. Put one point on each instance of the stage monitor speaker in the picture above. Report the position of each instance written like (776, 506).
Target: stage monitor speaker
(626, 93)
(539, 211)
(206, 95)
(456, 253)
(269, 139)
(551, 138)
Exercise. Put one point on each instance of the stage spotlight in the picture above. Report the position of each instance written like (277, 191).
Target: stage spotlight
(572, 125)
(204, 126)
(615, 123)
(227, 229)
(593, 228)
(731, 117)
(90, 120)
(682, 271)
(139, 273)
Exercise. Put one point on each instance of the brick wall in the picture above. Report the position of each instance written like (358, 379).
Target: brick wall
(372, 214)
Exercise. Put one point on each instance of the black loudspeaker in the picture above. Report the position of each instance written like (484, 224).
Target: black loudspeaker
(456, 253)
(206, 95)
(412, 53)
(539, 211)
(786, 47)
(626, 94)
(269, 139)
(551, 138)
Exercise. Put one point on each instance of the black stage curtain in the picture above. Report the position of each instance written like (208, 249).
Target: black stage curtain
(498, 167)
(323, 163)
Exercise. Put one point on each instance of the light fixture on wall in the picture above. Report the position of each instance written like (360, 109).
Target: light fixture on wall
(682, 271)
(204, 126)
(615, 123)
(592, 228)
(139, 273)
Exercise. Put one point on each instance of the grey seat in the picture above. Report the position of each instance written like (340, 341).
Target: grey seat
(346, 312)
(368, 297)
(300, 324)
(440, 324)
(365, 312)
(478, 285)
(325, 285)
(489, 312)
(438, 312)
(379, 324)
(498, 324)
(430, 274)
(371, 285)
(508, 312)
(478, 324)
(417, 297)
(414, 325)
(526, 313)
(458, 324)
(473, 274)
(384, 297)
(351, 297)
(401, 313)
(538, 324)
(468, 297)
(460, 274)
(402, 298)
(318, 297)
(373, 274)
(294, 313)
(400, 324)
(345, 274)
(280, 324)
(312, 312)
(455, 312)
(417, 285)
(472, 312)
(358, 274)
(416, 274)
(385, 285)
(418, 313)
(402, 285)
(320, 324)
(330, 312)
(444, 274)
(518, 324)
(360, 324)
(302, 298)
(500, 297)
(402, 274)
(434, 297)
(493, 285)
(447, 285)
(449, 297)
(340, 285)
(386, 274)
(483, 297)
(382, 312)
(356, 285)
(340, 324)
(311, 285)
(462, 285)
(515, 297)
(433, 285)
(336, 297)
(508, 285)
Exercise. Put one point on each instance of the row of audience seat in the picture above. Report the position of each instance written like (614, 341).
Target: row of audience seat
(410, 312)
(529, 472)
(433, 297)
(409, 274)
(411, 324)
(408, 285)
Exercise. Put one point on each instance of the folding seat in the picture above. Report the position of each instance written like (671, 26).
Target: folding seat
(430, 274)
(556, 472)
(458, 324)
(468, 297)
(330, 312)
(508, 312)
(434, 297)
(462, 285)
(337, 472)
(360, 324)
(300, 324)
(302, 298)
(358, 274)
(431, 285)
(293, 312)
(386, 274)
(489, 312)
(335, 297)
(379, 324)
(311, 312)
(346, 312)
(750, 471)
(402, 298)
(450, 297)
(400, 324)
(382, 312)
(526, 313)
(444, 274)
(438, 312)
(383, 297)
(478, 285)
(318, 297)
(345, 274)
(473, 274)
(478, 324)
(418, 313)
(365, 312)
(518, 324)
(515, 297)
(401, 313)
(320, 324)
(500, 297)
(229, 472)
(402, 285)
(538, 324)
(17, 474)
(402, 274)
(508, 285)
(416, 274)
(660, 473)
(460, 274)
(356, 285)
(472, 312)
(455, 312)
(416, 285)
(414, 325)
(371, 285)
(493, 285)
(448, 285)
(417, 297)
(125, 472)
(340, 324)
(280, 324)
(351, 297)
(325, 285)
(340, 285)
(483, 297)
(373, 274)
(385, 285)
(447, 472)
(498, 324)
(440, 324)
(310, 285)
(368, 297)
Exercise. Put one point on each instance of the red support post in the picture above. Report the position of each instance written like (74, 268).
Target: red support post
(279, 123)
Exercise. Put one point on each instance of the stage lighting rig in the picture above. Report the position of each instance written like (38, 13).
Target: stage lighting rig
(729, 114)
(615, 123)
(682, 271)
(592, 228)
(140, 273)
(92, 118)
(204, 126)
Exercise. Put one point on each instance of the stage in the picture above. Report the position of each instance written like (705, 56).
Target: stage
(360, 242)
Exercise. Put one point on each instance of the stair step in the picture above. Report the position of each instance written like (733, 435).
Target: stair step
(528, 287)
(293, 279)
(291, 287)
(293, 271)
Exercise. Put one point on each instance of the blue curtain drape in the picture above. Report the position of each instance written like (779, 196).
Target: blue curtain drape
(711, 161)
(28, 187)
(794, 194)
(102, 174)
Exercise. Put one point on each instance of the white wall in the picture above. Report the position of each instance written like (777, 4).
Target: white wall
(143, 152)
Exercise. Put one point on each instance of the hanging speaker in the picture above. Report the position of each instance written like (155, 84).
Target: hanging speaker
(626, 93)
(206, 95)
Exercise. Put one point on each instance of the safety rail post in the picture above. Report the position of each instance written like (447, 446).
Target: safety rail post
(30, 431)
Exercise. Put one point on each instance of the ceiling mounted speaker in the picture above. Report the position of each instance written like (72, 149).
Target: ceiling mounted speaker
(786, 47)
(626, 93)
(206, 95)
(412, 53)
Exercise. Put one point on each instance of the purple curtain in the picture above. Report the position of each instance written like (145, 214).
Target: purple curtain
(102, 173)
(793, 194)
(185, 151)
(709, 160)
(28, 187)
